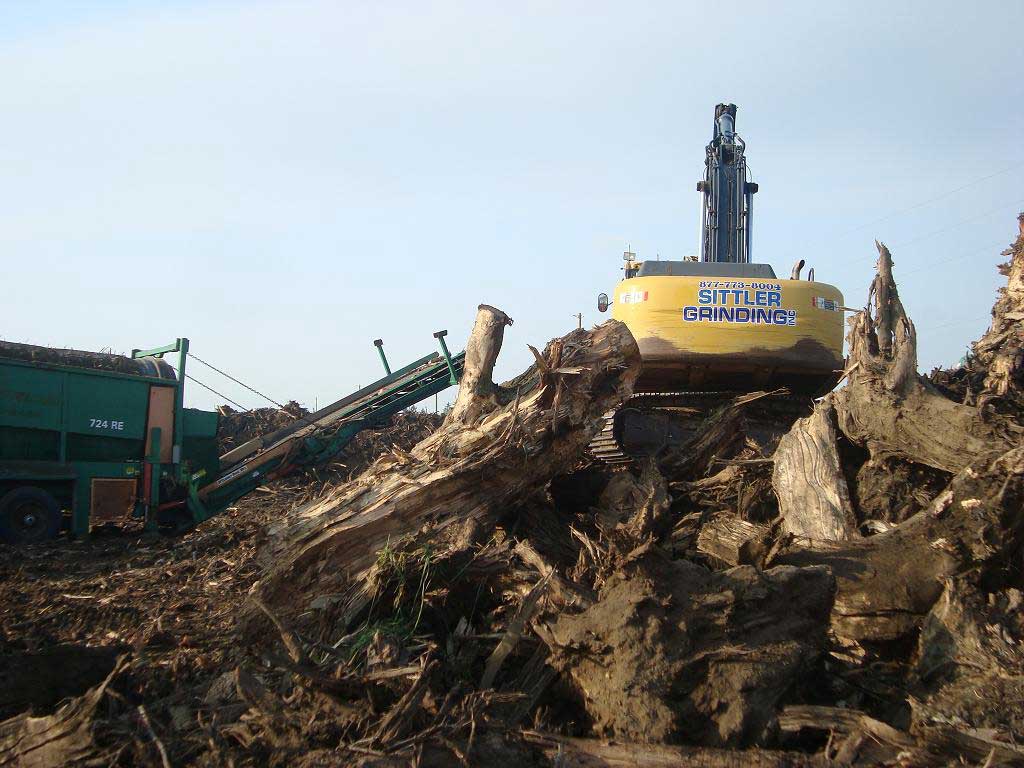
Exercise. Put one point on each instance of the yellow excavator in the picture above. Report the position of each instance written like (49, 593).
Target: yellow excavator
(711, 326)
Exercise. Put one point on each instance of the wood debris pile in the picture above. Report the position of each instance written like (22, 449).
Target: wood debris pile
(837, 586)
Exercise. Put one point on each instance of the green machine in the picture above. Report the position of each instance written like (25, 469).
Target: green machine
(91, 438)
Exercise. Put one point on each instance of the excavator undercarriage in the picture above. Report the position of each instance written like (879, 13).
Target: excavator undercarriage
(721, 327)
(657, 424)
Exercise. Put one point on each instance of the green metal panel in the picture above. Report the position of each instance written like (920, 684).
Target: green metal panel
(106, 407)
(203, 458)
(20, 444)
(200, 423)
(35, 470)
(101, 448)
(199, 447)
(30, 397)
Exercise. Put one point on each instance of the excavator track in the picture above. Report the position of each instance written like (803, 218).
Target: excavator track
(651, 422)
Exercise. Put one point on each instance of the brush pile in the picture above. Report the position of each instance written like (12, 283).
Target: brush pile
(236, 428)
(837, 586)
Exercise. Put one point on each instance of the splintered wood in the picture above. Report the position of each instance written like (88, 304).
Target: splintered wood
(495, 448)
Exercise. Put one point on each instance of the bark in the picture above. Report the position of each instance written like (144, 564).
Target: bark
(77, 358)
(813, 499)
(485, 459)
(887, 407)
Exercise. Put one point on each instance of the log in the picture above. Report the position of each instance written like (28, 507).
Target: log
(814, 502)
(734, 541)
(860, 740)
(891, 410)
(486, 458)
(477, 393)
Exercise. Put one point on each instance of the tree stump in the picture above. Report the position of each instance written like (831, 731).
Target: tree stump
(891, 410)
(485, 458)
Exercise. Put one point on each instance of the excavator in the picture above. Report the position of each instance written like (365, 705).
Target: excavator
(713, 326)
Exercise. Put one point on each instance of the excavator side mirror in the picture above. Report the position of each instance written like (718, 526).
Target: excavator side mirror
(602, 302)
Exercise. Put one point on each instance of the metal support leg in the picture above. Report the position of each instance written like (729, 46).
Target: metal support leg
(452, 378)
(151, 479)
(379, 344)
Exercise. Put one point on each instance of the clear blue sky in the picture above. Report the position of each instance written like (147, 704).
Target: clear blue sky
(283, 182)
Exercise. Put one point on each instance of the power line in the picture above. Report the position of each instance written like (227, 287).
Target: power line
(211, 389)
(956, 322)
(945, 229)
(240, 383)
(923, 203)
(944, 195)
(946, 260)
(959, 223)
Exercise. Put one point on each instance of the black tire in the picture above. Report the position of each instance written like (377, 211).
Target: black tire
(29, 515)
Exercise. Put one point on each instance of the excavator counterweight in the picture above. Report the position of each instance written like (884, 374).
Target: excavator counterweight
(719, 322)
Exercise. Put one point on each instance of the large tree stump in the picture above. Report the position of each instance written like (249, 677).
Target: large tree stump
(672, 651)
(485, 458)
(887, 583)
(1001, 350)
(891, 410)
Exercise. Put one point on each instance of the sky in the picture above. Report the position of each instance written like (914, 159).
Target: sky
(283, 182)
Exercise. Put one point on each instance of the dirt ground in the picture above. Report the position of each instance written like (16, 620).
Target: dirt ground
(837, 582)
(71, 608)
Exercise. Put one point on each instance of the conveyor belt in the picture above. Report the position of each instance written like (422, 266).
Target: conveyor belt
(333, 426)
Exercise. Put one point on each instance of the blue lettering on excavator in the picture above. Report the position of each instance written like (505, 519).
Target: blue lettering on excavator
(736, 306)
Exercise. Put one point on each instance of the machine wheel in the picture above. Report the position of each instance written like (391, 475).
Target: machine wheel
(29, 515)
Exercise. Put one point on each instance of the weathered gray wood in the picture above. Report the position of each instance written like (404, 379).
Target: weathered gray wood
(476, 390)
(733, 541)
(886, 584)
(466, 471)
(814, 502)
(888, 408)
